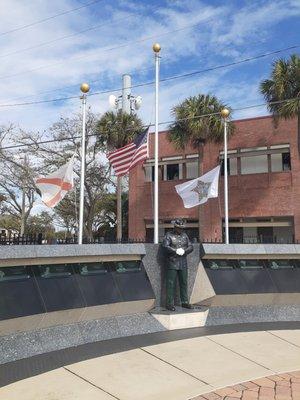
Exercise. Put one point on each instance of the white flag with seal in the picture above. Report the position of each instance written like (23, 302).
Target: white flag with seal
(55, 186)
(199, 190)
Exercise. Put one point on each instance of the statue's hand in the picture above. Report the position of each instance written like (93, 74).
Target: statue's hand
(180, 252)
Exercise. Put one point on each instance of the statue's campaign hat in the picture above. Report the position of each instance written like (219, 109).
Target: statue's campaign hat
(178, 223)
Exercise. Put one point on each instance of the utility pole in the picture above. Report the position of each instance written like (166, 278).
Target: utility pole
(126, 108)
(126, 93)
(129, 103)
(84, 89)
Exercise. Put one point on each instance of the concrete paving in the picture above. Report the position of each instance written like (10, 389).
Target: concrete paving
(178, 370)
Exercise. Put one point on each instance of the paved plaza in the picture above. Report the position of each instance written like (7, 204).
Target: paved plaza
(247, 365)
(284, 386)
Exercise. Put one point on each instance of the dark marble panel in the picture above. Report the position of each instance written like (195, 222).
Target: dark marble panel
(258, 281)
(59, 292)
(286, 280)
(229, 281)
(19, 298)
(134, 285)
(98, 289)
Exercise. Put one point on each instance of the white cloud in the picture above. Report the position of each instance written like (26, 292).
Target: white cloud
(223, 33)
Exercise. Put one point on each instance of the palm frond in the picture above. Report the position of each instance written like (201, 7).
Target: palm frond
(284, 84)
(197, 120)
(115, 130)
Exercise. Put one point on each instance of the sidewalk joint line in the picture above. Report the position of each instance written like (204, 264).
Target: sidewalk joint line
(246, 358)
(90, 383)
(174, 366)
(287, 341)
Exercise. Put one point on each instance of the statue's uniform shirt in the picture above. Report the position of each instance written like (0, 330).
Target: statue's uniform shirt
(171, 243)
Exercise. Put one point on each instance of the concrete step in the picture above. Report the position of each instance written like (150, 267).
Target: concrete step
(182, 318)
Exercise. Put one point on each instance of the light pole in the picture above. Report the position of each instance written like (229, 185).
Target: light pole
(225, 114)
(156, 48)
(84, 89)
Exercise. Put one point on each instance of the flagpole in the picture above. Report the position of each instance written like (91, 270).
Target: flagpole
(156, 48)
(84, 89)
(225, 113)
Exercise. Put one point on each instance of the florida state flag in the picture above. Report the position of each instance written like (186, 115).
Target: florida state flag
(55, 186)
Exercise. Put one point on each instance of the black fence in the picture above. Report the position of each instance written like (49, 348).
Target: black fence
(263, 239)
(20, 239)
(39, 239)
(15, 239)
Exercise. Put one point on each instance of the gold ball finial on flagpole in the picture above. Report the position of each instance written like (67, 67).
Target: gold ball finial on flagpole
(156, 47)
(225, 113)
(85, 87)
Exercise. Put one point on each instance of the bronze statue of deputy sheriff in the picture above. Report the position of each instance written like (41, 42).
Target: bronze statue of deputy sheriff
(177, 245)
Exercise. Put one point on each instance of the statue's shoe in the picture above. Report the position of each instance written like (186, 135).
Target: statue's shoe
(171, 308)
(187, 305)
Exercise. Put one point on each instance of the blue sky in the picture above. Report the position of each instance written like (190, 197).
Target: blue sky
(194, 35)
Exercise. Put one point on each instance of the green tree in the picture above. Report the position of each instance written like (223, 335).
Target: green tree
(10, 222)
(198, 120)
(116, 130)
(18, 171)
(66, 133)
(66, 213)
(106, 218)
(41, 224)
(283, 85)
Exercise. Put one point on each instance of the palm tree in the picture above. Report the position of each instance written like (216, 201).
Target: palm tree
(116, 130)
(284, 84)
(190, 127)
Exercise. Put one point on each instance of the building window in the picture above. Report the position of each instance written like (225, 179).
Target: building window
(280, 162)
(261, 230)
(149, 173)
(172, 172)
(255, 160)
(254, 164)
(192, 170)
(231, 166)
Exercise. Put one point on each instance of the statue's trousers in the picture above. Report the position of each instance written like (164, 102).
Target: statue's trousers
(171, 285)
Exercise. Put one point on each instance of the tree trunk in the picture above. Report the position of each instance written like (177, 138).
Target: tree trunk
(200, 173)
(119, 208)
(298, 132)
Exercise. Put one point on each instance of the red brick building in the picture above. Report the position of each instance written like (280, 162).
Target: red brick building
(264, 185)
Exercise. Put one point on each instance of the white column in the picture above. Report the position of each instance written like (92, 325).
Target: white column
(82, 173)
(156, 205)
(226, 184)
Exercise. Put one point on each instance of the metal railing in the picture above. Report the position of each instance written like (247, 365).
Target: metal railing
(259, 239)
(15, 239)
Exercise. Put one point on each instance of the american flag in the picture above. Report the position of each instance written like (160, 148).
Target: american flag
(127, 157)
